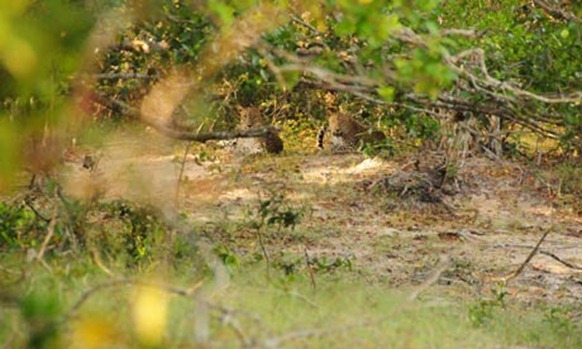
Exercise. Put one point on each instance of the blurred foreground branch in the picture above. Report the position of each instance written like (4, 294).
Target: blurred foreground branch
(181, 133)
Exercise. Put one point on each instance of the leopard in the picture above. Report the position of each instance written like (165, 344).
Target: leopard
(252, 117)
(345, 134)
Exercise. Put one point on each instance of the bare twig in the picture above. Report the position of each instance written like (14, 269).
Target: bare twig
(181, 174)
(556, 12)
(293, 294)
(544, 252)
(127, 282)
(264, 249)
(298, 20)
(97, 260)
(444, 264)
(566, 263)
(231, 321)
(309, 269)
(28, 203)
(478, 55)
(113, 76)
(533, 252)
(49, 235)
(227, 315)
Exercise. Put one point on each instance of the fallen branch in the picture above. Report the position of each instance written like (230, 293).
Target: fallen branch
(544, 252)
(533, 252)
(210, 136)
(566, 263)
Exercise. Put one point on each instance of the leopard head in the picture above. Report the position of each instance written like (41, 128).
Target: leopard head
(250, 117)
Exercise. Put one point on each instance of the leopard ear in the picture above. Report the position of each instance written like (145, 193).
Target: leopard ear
(239, 109)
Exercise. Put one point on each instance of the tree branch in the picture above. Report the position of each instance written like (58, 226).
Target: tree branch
(556, 12)
(185, 135)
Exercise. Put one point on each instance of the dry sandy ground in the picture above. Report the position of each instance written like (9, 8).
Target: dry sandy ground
(497, 218)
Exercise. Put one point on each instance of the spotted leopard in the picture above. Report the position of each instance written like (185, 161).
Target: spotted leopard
(252, 117)
(345, 134)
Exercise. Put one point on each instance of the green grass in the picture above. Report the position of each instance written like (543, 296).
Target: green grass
(249, 307)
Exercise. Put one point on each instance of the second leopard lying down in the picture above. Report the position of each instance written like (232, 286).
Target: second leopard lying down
(345, 134)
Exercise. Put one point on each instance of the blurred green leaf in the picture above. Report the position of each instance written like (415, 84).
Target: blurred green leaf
(8, 151)
(224, 12)
(387, 93)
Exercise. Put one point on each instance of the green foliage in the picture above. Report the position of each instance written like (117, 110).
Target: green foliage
(559, 319)
(19, 227)
(48, 62)
(41, 311)
(384, 149)
(41, 48)
(323, 265)
(417, 125)
(484, 310)
(528, 47)
(227, 256)
(118, 228)
(426, 71)
(274, 211)
(8, 143)
(568, 185)
(143, 230)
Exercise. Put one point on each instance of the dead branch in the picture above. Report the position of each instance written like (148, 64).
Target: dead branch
(544, 252)
(566, 263)
(478, 55)
(49, 235)
(293, 294)
(28, 203)
(115, 76)
(556, 12)
(300, 21)
(528, 259)
(181, 174)
(309, 269)
(210, 136)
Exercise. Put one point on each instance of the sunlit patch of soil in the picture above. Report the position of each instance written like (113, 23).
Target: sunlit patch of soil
(496, 218)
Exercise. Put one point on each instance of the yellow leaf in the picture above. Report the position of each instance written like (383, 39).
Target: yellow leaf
(150, 309)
